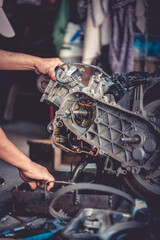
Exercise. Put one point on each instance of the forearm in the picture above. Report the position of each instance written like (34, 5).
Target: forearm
(17, 61)
(20, 61)
(11, 154)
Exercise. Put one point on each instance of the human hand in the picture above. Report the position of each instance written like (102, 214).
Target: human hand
(47, 66)
(36, 175)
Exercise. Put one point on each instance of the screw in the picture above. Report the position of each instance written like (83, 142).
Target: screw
(123, 165)
(128, 169)
(67, 112)
(50, 128)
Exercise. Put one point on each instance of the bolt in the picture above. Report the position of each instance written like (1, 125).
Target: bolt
(67, 112)
(59, 124)
(80, 112)
(101, 152)
(50, 128)
(128, 169)
(77, 201)
(135, 139)
(90, 152)
(123, 165)
(135, 170)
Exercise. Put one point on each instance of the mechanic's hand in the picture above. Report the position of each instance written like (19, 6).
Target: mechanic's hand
(47, 66)
(36, 175)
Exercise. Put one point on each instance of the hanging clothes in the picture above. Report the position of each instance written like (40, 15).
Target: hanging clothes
(121, 51)
(97, 29)
(91, 40)
(99, 11)
(140, 12)
(60, 25)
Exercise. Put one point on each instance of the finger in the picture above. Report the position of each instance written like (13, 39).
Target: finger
(37, 72)
(49, 186)
(33, 184)
(24, 177)
(51, 73)
(41, 183)
(59, 63)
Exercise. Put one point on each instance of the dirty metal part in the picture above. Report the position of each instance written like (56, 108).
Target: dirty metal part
(104, 130)
(130, 139)
(146, 185)
(85, 112)
(80, 112)
(32, 203)
(29, 202)
(116, 123)
(121, 171)
(70, 142)
(110, 225)
(42, 82)
(126, 229)
(88, 222)
(138, 100)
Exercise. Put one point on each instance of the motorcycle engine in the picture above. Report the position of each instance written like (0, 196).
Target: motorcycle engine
(107, 119)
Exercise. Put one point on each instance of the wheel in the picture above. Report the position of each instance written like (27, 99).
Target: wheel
(145, 185)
